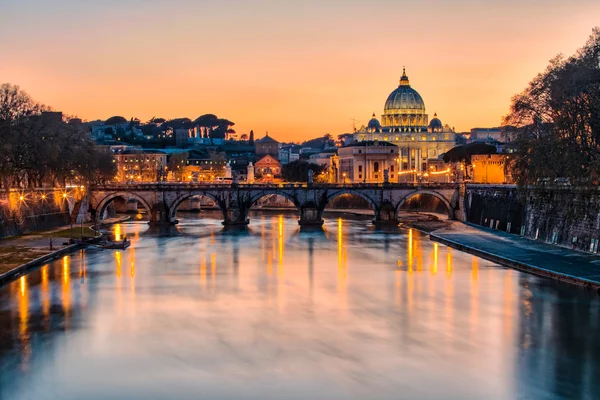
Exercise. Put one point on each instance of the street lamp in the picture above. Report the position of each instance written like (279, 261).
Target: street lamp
(344, 175)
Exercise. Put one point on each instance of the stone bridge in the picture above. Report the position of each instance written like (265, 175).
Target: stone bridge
(161, 200)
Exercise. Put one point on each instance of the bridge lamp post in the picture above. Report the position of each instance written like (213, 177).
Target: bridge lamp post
(344, 175)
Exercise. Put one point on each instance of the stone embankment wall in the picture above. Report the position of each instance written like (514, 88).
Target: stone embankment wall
(25, 212)
(565, 216)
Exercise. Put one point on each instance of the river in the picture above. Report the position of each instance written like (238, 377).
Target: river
(272, 312)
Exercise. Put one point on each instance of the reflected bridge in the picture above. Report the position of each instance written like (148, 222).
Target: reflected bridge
(162, 199)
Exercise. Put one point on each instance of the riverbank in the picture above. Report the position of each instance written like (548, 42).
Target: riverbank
(26, 251)
(526, 255)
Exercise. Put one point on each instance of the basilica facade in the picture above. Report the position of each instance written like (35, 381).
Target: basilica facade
(405, 123)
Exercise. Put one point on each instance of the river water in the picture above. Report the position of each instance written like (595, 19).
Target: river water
(272, 312)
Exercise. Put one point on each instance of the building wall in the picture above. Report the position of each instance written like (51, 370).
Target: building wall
(367, 163)
(139, 167)
(268, 165)
(489, 168)
(565, 216)
(264, 148)
(33, 213)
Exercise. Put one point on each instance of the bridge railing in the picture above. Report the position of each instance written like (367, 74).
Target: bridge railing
(283, 185)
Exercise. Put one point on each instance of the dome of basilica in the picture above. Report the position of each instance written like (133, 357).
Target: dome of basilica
(404, 98)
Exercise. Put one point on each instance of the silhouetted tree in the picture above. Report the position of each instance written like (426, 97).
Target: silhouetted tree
(116, 120)
(554, 125)
(297, 171)
(35, 150)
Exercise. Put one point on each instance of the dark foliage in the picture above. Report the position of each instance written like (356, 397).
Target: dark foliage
(297, 171)
(554, 125)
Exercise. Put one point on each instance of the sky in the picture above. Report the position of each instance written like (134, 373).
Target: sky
(297, 69)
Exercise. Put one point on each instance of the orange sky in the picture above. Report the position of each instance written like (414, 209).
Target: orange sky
(298, 69)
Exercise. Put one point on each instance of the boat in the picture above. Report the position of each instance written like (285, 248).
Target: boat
(121, 245)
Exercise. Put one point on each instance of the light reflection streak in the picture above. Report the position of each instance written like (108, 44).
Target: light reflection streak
(434, 269)
(119, 274)
(203, 272)
(132, 270)
(410, 251)
(280, 244)
(118, 232)
(342, 270)
(66, 286)
(24, 319)
(45, 292)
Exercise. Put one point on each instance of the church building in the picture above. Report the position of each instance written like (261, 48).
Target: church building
(406, 124)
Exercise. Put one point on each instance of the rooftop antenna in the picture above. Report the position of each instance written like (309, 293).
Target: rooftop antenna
(354, 121)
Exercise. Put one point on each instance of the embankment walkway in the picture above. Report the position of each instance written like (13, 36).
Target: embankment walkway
(523, 254)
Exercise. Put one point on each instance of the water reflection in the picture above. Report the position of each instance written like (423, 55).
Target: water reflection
(345, 312)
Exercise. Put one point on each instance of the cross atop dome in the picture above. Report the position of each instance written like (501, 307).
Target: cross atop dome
(404, 78)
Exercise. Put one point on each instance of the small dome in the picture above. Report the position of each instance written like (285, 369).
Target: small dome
(374, 123)
(435, 123)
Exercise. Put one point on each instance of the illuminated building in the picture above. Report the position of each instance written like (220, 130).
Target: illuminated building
(139, 165)
(268, 167)
(366, 161)
(489, 168)
(405, 123)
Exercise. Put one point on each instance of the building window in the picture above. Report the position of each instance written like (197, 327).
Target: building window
(376, 167)
(423, 137)
(392, 168)
(433, 138)
(446, 137)
(359, 176)
(360, 168)
(359, 151)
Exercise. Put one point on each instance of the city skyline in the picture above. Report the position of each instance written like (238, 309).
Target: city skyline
(294, 70)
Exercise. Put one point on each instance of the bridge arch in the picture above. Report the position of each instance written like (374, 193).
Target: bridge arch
(256, 197)
(433, 193)
(181, 198)
(106, 200)
(359, 193)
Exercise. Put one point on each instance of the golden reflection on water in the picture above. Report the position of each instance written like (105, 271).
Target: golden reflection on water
(434, 268)
(66, 285)
(473, 306)
(118, 232)
(409, 250)
(203, 272)
(342, 268)
(24, 321)
(280, 244)
(132, 270)
(45, 291)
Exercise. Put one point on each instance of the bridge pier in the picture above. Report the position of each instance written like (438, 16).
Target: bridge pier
(385, 215)
(236, 215)
(160, 217)
(310, 216)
